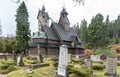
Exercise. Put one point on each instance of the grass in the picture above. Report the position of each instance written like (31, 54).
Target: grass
(104, 51)
(47, 71)
(7, 66)
(23, 73)
(50, 71)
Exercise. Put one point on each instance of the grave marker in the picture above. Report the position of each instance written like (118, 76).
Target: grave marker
(88, 63)
(111, 66)
(95, 58)
(63, 61)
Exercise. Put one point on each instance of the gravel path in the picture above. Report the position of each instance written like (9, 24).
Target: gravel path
(1, 75)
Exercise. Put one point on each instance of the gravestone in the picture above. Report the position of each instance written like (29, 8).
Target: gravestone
(95, 58)
(111, 66)
(63, 61)
(88, 63)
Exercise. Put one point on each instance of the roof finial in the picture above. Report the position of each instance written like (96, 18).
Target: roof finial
(43, 3)
(63, 3)
(43, 7)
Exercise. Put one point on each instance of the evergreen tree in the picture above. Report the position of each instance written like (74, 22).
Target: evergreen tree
(22, 32)
(107, 30)
(77, 29)
(83, 31)
(8, 45)
(107, 20)
(1, 45)
(116, 28)
(97, 32)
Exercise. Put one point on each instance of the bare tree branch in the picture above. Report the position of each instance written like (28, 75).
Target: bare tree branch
(18, 1)
(79, 2)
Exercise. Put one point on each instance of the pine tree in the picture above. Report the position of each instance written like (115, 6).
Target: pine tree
(1, 46)
(116, 30)
(22, 29)
(97, 32)
(83, 31)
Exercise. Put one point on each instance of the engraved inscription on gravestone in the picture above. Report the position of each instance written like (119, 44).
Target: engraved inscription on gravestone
(111, 65)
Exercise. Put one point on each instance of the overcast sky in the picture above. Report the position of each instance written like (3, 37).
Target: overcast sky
(54, 7)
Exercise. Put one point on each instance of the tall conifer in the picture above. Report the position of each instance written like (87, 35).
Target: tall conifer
(22, 28)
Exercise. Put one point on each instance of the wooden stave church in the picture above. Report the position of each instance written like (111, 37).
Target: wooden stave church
(48, 39)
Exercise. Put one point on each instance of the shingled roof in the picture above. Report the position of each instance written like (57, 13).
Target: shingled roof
(50, 33)
(63, 34)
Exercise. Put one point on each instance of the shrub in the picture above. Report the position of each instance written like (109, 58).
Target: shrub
(77, 61)
(9, 62)
(71, 69)
(118, 63)
(117, 49)
(31, 60)
(55, 64)
(98, 66)
(118, 56)
(85, 72)
(54, 58)
(55, 61)
(6, 66)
